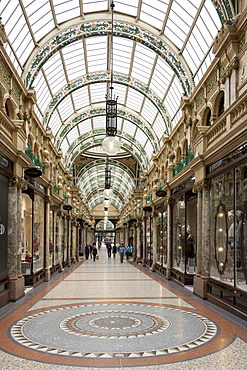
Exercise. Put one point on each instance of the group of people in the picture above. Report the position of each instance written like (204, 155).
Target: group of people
(91, 251)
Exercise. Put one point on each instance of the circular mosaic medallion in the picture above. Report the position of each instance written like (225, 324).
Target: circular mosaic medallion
(114, 323)
(81, 330)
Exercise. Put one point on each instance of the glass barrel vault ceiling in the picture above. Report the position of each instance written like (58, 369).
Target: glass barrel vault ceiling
(61, 49)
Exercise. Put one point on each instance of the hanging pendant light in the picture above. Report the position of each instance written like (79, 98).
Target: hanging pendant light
(111, 145)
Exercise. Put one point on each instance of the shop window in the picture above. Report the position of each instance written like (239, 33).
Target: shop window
(38, 233)
(161, 227)
(184, 233)
(229, 228)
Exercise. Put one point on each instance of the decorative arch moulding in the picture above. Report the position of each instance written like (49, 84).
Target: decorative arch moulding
(103, 28)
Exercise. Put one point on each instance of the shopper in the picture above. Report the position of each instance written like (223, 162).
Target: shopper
(94, 251)
(121, 252)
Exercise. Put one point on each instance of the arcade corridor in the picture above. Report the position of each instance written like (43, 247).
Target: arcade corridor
(104, 314)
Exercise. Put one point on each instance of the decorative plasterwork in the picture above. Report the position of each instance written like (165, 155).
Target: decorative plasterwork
(101, 77)
(103, 28)
(121, 113)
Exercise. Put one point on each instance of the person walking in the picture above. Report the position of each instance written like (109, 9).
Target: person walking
(127, 251)
(109, 248)
(87, 250)
(114, 250)
(121, 252)
(94, 251)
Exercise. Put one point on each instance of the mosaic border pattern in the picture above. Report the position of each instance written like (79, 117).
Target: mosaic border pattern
(16, 333)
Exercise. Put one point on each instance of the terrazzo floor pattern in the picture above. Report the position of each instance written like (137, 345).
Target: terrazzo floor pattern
(104, 314)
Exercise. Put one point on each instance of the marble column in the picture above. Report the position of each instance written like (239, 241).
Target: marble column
(201, 278)
(134, 241)
(47, 240)
(138, 242)
(169, 238)
(69, 241)
(59, 241)
(154, 244)
(144, 240)
(16, 280)
(199, 234)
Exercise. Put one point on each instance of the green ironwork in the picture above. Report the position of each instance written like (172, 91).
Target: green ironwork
(149, 198)
(55, 188)
(65, 197)
(35, 159)
(183, 162)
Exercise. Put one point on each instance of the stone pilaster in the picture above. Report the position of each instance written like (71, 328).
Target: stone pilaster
(47, 243)
(59, 241)
(169, 238)
(138, 242)
(16, 280)
(69, 241)
(154, 246)
(144, 240)
(134, 241)
(199, 234)
(203, 268)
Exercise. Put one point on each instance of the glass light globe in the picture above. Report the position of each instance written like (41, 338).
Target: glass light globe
(111, 145)
(107, 193)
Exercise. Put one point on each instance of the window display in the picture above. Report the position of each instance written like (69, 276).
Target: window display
(228, 223)
(162, 238)
(184, 233)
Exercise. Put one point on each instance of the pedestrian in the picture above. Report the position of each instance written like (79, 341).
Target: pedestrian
(114, 250)
(87, 248)
(109, 248)
(94, 251)
(127, 252)
(121, 252)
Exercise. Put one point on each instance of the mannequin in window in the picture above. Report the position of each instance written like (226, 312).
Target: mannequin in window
(190, 243)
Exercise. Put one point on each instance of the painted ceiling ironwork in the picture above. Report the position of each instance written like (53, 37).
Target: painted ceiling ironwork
(162, 48)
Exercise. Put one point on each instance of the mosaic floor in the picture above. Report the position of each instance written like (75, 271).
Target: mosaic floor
(104, 314)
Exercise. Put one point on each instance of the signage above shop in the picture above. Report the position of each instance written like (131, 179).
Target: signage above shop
(161, 193)
(33, 172)
(67, 207)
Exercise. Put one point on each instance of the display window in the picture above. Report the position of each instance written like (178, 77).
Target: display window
(228, 229)
(32, 233)
(161, 227)
(184, 233)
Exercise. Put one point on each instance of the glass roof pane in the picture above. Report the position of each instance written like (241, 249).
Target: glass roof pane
(72, 135)
(98, 92)
(94, 6)
(149, 111)
(40, 17)
(55, 73)
(176, 118)
(134, 100)
(42, 92)
(74, 60)
(149, 149)
(65, 108)
(96, 53)
(81, 98)
(129, 128)
(64, 146)
(141, 137)
(129, 6)
(55, 123)
(98, 122)
(143, 63)
(161, 77)
(152, 13)
(122, 49)
(159, 126)
(66, 9)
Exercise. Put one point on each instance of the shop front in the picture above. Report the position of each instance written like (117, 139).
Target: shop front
(184, 233)
(161, 238)
(33, 233)
(228, 229)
